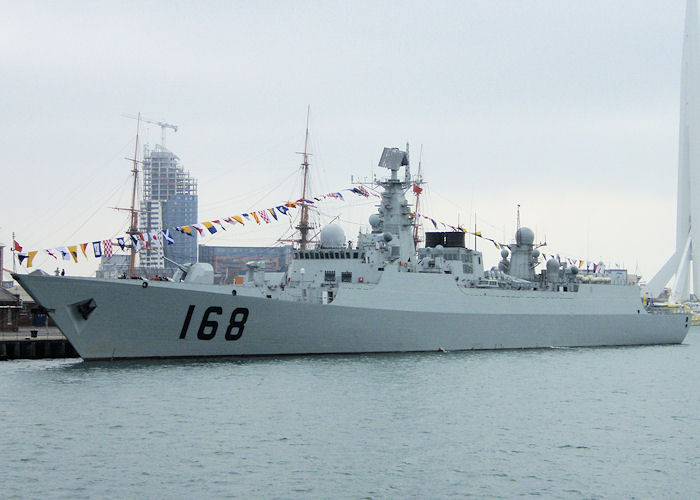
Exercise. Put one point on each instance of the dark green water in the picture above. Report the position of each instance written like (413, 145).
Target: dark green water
(554, 423)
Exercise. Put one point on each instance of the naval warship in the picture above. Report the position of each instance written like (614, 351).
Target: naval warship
(380, 295)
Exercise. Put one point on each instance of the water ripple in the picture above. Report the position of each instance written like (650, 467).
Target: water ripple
(554, 423)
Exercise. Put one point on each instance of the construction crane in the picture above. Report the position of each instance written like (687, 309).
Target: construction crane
(162, 126)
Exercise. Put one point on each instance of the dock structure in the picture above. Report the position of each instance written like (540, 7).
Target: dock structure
(26, 330)
(35, 343)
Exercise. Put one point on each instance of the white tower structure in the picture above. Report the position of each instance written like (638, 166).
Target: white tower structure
(686, 259)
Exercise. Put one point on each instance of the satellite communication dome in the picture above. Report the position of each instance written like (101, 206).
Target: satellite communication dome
(332, 236)
(504, 253)
(524, 236)
(388, 237)
(374, 220)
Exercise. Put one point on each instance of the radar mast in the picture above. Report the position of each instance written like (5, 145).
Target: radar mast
(417, 190)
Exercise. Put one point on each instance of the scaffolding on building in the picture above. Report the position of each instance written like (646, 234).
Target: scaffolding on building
(164, 176)
(169, 199)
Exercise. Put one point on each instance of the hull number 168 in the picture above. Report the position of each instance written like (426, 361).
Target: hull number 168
(210, 323)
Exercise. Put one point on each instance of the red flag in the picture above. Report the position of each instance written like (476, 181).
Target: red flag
(18, 247)
(107, 245)
(417, 189)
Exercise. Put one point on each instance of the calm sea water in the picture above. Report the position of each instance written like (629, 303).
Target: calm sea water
(555, 423)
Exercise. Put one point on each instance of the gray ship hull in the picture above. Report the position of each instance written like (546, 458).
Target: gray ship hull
(122, 319)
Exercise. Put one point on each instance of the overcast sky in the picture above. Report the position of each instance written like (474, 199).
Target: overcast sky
(569, 109)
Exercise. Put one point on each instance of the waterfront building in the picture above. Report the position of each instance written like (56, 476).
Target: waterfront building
(169, 199)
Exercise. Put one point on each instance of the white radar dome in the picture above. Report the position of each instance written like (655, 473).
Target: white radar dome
(552, 267)
(524, 236)
(374, 220)
(332, 236)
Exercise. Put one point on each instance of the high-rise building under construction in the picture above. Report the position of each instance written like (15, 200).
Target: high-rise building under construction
(169, 200)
